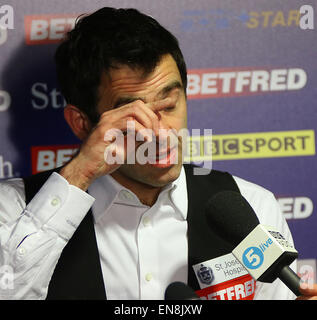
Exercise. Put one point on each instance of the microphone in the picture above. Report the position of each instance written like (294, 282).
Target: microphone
(262, 250)
(180, 291)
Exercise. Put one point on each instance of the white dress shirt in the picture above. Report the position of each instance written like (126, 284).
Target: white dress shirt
(142, 249)
(136, 260)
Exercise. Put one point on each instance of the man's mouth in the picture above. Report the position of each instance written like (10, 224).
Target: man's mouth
(165, 158)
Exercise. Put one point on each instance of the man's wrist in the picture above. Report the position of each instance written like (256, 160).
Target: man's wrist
(73, 173)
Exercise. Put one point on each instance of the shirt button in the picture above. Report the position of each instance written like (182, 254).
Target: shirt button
(148, 277)
(127, 195)
(21, 251)
(146, 221)
(55, 202)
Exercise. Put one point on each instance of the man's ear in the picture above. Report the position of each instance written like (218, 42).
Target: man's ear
(78, 121)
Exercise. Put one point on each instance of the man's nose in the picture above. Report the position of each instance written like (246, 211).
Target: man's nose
(167, 136)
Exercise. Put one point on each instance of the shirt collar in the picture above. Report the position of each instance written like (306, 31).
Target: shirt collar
(108, 189)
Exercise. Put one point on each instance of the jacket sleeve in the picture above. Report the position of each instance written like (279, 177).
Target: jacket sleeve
(32, 237)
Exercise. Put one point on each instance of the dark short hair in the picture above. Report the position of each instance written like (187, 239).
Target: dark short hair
(104, 38)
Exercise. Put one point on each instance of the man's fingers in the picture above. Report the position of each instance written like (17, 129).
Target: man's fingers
(308, 291)
(308, 288)
(126, 126)
(143, 113)
(136, 109)
(153, 117)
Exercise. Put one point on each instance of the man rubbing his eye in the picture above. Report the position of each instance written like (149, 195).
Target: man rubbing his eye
(95, 229)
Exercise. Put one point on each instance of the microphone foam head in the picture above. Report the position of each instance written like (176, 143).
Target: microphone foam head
(230, 216)
(180, 291)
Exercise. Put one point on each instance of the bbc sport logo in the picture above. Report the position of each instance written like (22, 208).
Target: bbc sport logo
(263, 145)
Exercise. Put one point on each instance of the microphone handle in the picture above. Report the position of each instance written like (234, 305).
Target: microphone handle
(290, 279)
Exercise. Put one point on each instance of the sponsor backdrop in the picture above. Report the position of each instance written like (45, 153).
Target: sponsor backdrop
(251, 79)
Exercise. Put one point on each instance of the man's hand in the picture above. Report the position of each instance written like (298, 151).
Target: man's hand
(308, 291)
(90, 162)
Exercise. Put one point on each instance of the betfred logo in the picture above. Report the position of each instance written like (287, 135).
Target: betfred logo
(45, 29)
(224, 278)
(50, 157)
(242, 288)
(296, 207)
(232, 82)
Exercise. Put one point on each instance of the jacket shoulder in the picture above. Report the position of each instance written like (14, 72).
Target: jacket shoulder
(207, 176)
